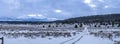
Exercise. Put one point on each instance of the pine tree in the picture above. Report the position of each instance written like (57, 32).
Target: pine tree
(75, 26)
(49, 25)
(80, 25)
(95, 26)
(43, 26)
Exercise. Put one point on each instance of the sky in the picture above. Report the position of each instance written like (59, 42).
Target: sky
(57, 9)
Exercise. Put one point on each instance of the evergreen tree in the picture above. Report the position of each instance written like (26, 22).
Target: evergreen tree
(119, 25)
(99, 26)
(95, 26)
(43, 26)
(56, 25)
(75, 26)
(49, 25)
(80, 25)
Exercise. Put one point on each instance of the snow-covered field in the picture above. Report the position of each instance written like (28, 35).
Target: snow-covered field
(39, 40)
(88, 39)
(0, 41)
(30, 34)
(84, 39)
(79, 38)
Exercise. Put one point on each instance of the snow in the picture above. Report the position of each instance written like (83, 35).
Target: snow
(0, 41)
(89, 39)
(117, 39)
(85, 38)
(39, 40)
(81, 38)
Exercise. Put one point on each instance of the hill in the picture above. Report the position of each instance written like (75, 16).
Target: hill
(93, 19)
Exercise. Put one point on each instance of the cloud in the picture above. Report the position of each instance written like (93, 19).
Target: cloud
(12, 4)
(62, 13)
(60, 9)
(101, 0)
(36, 16)
(102, 3)
(106, 6)
(52, 19)
(90, 3)
(34, 1)
(87, 1)
(57, 11)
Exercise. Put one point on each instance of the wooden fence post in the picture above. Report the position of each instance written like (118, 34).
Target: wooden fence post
(2, 40)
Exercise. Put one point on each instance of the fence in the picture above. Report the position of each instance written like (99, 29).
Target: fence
(2, 42)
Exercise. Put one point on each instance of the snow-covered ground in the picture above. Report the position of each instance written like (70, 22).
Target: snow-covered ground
(47, 40)
(86, 39)
(82, 38)
(0, 41)
(116, 39)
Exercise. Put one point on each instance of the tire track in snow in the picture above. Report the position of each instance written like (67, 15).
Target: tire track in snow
(68, 40)
(77, 40)
(84, 33)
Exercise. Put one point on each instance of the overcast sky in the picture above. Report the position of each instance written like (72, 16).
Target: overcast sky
(59, 9)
